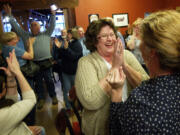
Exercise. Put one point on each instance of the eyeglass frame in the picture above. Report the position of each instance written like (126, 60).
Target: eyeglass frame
(105, 36)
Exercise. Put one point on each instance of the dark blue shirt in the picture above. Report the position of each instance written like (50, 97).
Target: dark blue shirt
(152, 109)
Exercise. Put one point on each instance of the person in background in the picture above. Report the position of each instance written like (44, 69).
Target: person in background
(42, 55)
(70, 55)
(92, 89)
(134, 42)
(57, 67)
(128, 34)
(2, 74)
(13, 112)
(9, 41)
(20, 43)
(152, 107)
(62, 37)
(63, 34)
(122, 38)
(82, 40)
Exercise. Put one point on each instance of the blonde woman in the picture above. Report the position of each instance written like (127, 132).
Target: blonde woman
(153, 107)
(70, 54)
(134, 42)
(9, 41)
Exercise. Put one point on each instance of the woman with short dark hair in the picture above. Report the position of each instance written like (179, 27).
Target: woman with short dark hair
(92, 89)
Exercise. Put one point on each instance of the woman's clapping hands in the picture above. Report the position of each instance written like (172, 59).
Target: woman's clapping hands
(116, 76)
(13, 65)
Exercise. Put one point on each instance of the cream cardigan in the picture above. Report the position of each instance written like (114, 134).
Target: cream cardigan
(11, 117)
(95, 101)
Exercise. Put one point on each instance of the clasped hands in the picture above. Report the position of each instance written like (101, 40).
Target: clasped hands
(59, 44)
(116, 76)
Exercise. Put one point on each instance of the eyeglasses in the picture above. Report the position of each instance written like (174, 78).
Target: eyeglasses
(105, 36)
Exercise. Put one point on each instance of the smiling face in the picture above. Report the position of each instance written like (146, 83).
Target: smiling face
(81, 32)
(13, 41)
(69, 36)
(35, 28)
(106, 40)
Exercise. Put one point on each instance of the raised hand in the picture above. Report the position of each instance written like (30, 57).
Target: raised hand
(57, 43)
(53, 12)
(31, 40)
(118, 56)
(7, 9)
(13, 65)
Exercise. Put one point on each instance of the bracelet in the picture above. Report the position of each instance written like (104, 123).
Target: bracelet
(116, 86)
(11, 80)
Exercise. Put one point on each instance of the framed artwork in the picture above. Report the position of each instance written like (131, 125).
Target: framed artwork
(120, 20)
(93, 17)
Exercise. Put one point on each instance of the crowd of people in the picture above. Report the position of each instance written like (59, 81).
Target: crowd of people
(126, 86)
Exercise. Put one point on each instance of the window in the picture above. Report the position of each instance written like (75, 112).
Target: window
(6, 24)
(60, 24)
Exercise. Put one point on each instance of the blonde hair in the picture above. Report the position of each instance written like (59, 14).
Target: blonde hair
(137, 22)
(74, 33)
(7, 37)
(161, 31)
(130, 29)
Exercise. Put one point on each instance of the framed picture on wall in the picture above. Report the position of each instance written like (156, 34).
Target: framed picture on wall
(121, 20)
(93, 17)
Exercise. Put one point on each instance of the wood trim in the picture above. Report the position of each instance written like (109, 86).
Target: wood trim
(66, 18)
(1, 24)
(71, 17)
(44, 2)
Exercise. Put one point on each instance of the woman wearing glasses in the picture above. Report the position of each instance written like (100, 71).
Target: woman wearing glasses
(92, 88)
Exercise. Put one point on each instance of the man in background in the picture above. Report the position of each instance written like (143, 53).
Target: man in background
(42, 54)
(82, 39)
